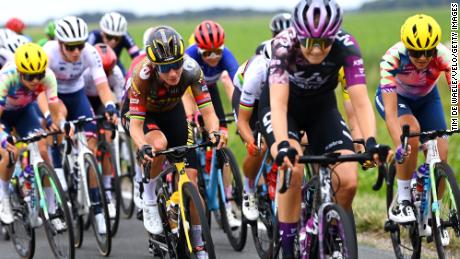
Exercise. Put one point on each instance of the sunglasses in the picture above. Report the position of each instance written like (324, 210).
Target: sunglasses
(167, 67)
(211, 52)
(418, 53)
(32, 77)
(72, 47)
(112, 37)
(312, 42)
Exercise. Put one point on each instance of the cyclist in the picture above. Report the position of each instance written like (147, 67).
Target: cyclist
(216, 61)
(9, 47)
(16, 25)
(49, 32)
(278, 23)
(156, 116)
(21, 83)
(249, 81)
(69, 56)
(306, 59)
(408, 94)
(114, 32)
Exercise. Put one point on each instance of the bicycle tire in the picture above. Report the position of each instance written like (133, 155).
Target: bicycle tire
(275, 246)
(63, 212)
(190, 195)
(405, 239)
(443, 170)
(346, 232)
(109, 153)
(21, 223)
(170, 239)
(237, 240)
(262, 244)
(104, 241)
(72, 192)
(126, 175)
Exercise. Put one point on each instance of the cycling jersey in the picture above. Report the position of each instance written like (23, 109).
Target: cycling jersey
(212, 74)
(397, 73)
(148, 93)
(260, 48)
(288, 65)
(5, 56)
(70, 75)
(116, 83)
(14, 95)
(126, 42)
(250, 79)
(134, 63)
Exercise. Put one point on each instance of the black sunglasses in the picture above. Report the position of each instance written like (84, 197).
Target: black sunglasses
(112, 37)
(72, 47)
(167, 67)
(418, 53)
(32, 77)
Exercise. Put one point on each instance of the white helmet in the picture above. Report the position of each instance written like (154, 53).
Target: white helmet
(267, 50)
(5, 34)
(114, 24)
(145, 38)
(71, 29)
(14, 42)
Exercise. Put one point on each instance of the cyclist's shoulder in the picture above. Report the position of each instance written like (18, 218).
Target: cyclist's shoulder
(191, 69)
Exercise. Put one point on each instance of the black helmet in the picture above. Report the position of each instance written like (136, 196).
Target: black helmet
(164, 45)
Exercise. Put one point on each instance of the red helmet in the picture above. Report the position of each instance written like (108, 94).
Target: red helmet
(108, 56)
(15, 25)
(209, 35)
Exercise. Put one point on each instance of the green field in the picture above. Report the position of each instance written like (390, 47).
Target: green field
(375, 32)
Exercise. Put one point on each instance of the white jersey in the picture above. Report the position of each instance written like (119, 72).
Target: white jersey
(250, 79)
(116, 83)
(5, 56)
(70, 75)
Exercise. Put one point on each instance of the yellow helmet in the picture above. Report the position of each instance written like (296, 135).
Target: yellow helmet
(420, 32)
(30, 58)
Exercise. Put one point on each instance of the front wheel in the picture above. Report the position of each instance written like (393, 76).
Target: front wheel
(446, 225)
(127, 172)
(191, 199)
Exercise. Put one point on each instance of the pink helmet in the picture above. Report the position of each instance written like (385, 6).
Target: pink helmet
(317, 18)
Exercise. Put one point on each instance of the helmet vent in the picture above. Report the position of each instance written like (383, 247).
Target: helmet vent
(316, 15)
(410, 42)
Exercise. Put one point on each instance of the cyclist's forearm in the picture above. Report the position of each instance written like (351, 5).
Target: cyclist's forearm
(211, 121)
(189, 103)
(390, 103)
(43, 103)
(352, 121)
(104, 92)
(228, 85)
(363, 110)
(279, 97)
(56, 115)
(243, 126)
(137, 132)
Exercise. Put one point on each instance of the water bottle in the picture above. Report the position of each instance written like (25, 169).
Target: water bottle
(422, 173)
(208, 161)
(27, 180)
(173, 212)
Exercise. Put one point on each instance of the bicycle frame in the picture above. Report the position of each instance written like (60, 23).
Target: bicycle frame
(264, 167)
(213, 181)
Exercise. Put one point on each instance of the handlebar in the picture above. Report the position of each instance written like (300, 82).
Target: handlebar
(426, 134)
(179, 152)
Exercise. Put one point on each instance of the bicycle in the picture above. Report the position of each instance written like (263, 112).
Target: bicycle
(440, 183)
(28, 207)
(211, 186)
(81, 169)
(333, 234)
(169, 243)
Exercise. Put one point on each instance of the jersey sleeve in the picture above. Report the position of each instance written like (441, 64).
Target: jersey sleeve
(253, 80)
(137, 94)
(117, 83)
(282, 46)
(95, 64)
(92, 37)
(131, 46)
(50, 83)
(444, 61)
(197, 83)
(388, 69)
(353, 66)
(230, 63)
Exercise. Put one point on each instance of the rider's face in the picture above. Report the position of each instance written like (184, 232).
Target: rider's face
(72, 52)
(421, 62)
(172, 77)
(316, 54)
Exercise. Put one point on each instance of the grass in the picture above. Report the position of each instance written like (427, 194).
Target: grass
(375, 32)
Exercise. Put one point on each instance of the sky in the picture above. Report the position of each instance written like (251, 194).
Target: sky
(40, 11)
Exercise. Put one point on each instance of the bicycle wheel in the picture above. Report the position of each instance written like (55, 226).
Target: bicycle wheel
(168, 242)
(275, 246)
(336, 236)
(21, 232)
(448, 230)
(262, 229)
(113, 196)
(126, 174)
(74, 205)
(191, 198)
(236, 236)
(405, 239)
(104, 241)
(61, 240)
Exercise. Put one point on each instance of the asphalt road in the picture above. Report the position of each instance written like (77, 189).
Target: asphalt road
(131, 242)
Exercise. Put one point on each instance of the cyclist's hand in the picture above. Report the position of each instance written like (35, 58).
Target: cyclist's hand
(401, 154)
(252, 149)
(6, 145)
(217, 138)
(286, 156)
(377, 150)
(72, 128)
(369, 164)
(111, 113)
(145, 154)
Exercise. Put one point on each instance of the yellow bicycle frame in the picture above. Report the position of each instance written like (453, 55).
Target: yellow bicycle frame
(183, 178)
